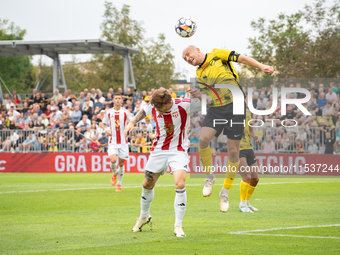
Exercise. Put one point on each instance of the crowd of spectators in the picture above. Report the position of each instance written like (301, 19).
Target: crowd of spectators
(70, 122)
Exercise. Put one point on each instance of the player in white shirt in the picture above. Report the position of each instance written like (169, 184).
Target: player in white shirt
(117, 118)
(170, 145)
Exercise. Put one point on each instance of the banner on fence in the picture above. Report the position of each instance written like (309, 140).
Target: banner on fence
(288, 164)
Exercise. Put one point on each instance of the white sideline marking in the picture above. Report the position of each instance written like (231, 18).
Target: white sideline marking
(132, 187)
(256, 231)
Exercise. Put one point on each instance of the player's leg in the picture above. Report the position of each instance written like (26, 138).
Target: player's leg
(180, 200)
(253, 183)
(112, 152)
(231, 169)
(244, 186)
(153, 169)
(123, 154)
(205, 136)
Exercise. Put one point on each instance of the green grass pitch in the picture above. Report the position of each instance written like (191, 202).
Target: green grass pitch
(82, 214)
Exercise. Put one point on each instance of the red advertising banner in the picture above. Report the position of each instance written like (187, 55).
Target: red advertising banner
(287, 164)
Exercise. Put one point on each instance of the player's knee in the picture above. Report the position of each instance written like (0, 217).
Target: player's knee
(246, 179)
(148, 185)
(203, 142)
(121, 164)
(233, 153)
(254, 181)
(180, 184)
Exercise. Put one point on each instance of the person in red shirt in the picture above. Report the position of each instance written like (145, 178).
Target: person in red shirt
(94, 144)
(48, 112)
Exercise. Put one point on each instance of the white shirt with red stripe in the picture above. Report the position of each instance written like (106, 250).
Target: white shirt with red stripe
(172, 126)
(117, 121)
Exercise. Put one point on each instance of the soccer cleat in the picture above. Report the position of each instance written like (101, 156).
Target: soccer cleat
(179, 232)
(254, 209)
(224, 203)
(207, 190)
(140, 223)
(119, 188)
(113, 179)
(245, 209)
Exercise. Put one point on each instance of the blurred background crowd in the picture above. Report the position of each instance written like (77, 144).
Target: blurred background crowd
(69, 121)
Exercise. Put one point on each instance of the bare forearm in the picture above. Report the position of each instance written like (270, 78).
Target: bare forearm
(139, 116)
(249, 61)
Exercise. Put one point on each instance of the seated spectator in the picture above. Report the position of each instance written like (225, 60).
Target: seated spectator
(269, 146)
(39, 125)
(87, 109)
(136, 96)
(44, 120)
(10, 104)
(83, 147)
(76, 115)
(321, 102)
(31, 143)
(48, 111)
(98, 104)
(140, 142)
(327, 110)
(84, 122)
(331, 96)
(56, 97)
(104, 141)
(16, 100)
(173, 94)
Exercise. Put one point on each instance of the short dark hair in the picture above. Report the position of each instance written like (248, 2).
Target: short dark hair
(161, 97)
(117, 94)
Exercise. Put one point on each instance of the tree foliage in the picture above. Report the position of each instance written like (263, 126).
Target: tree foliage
(153, 66)
(16, 71)
(305, 44)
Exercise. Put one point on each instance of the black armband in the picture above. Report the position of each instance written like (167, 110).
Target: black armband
(233, 56)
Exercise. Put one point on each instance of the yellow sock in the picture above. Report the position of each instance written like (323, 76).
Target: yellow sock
(206, 160)
(231, 173)
(244, 191)
(250, 191)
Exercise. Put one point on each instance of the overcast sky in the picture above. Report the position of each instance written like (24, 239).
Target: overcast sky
(221, 24)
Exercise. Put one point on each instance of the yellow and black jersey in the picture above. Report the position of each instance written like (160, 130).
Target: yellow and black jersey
(217, 68)
(246, 141)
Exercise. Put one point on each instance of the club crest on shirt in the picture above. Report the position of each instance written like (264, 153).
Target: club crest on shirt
(175, 114)
(169, 128)
(117, 123)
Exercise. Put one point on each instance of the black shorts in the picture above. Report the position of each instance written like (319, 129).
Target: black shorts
(221, 118)
(249, 155)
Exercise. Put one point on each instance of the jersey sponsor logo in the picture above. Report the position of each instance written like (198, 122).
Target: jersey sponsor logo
(169, 128)
(175, 114)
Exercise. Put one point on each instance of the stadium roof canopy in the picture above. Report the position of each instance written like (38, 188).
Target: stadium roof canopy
(53, 49)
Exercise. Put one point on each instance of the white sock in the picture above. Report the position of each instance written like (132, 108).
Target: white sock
(120, 175)
(243, 203)
(114, 168)
(225, 191)
(210, 176)
(145, 202)
(180, 206)
(247, 202)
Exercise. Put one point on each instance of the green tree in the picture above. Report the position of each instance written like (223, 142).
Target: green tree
(153, 66)
(305, 44)
(17, 71)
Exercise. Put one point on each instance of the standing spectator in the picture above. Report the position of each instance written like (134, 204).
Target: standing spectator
(30, 143)
(140, 142)
(104, 141)
(135, 96)
(312, 148)
(81, 99)
(94, 144)
(329, 143)
(321, 102)
(173, 94)
(181, 92)
(83, 146)
(194, 142)
(269, 146)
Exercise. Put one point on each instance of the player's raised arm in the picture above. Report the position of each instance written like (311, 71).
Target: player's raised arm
(139, 116)
(252, 62)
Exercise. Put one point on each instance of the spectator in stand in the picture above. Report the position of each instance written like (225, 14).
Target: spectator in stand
(331, 96)
(31, 143)
(140, 142)
(16, 100)
(66, 96)
(269, 146)
(104, 141)
(87, 109)
(39, 125)
(136, 96)
(108, 101)
(100, 97)
(52, 122)
(76, 115)
(149, 127)
(93, 94)
(97, 104)
(194, 142)
(36, 109)
(313, 106)
(44, 120)
(9, 104)
(327, 110)
(56, 97)
(312, 148)
(181, 92)
(173, 94)
(48, 111)
(84, 122)
(321, 102)
(94, 145)
(66, 103)
(329, 143)
(56, 113)
(38, 100)
(83, 146)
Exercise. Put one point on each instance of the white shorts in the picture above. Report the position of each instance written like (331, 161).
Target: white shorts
(159, 161)
(121, 150)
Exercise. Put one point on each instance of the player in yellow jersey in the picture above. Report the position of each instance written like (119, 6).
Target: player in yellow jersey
(214, 68)
(248, 165)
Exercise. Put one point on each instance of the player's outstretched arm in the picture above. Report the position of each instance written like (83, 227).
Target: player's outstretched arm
(252, 62)
(139, 116)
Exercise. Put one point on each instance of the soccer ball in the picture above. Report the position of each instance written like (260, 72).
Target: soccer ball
(185, 27)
